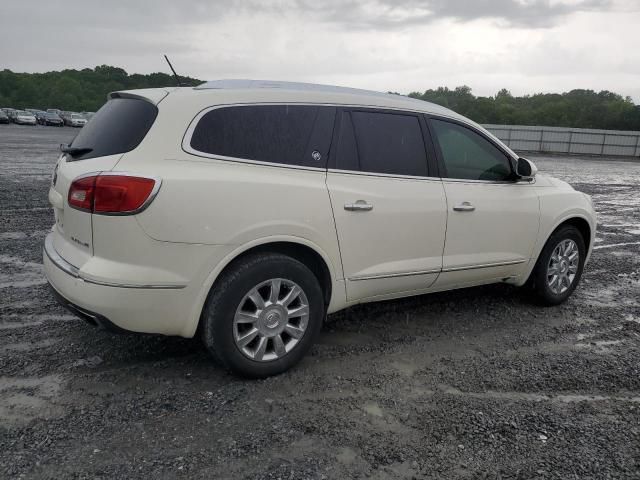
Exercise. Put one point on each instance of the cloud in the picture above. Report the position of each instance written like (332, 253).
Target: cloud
(390, 14)
(524, 45)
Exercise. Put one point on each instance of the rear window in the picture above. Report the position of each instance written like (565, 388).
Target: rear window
(285, 134)
(118, 127)
(375, 142)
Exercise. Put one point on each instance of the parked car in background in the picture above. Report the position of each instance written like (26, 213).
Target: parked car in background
(52, 119)
(40, 114)
(245, 211)
(22, 117)
(4, 118)
(88, 115)
(10, 113)
(75, 120)
(54, 110)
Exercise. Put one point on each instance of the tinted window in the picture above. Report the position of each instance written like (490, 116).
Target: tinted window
(347, 151)
(118, 127)
(289, 134)
(468, 155)
(387, 143)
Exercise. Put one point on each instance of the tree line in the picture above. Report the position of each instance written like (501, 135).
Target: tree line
(75, 90)
(577, 108)
(86, 90)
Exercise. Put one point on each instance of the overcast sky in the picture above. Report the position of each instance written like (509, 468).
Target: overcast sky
(527, 46)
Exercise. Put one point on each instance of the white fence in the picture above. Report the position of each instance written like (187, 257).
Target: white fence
(568, 140)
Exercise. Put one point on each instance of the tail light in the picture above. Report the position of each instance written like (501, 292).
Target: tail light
(115, 194)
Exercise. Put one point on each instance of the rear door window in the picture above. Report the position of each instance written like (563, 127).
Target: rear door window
(118, 127)
(377, 142)
(285, 134)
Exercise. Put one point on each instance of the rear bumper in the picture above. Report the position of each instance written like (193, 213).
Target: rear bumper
(92, 318)
(115, 306)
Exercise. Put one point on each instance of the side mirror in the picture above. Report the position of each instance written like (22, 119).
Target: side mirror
(525, 169)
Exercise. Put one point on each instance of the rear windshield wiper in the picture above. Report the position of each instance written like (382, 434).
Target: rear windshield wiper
(74, 151)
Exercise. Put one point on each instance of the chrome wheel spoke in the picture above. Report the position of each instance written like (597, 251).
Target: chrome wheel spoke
(247, 338)
(257, 299)
(278, 346)
(244, 317)
(291, 296)
(294, 331)
(298, 311)
(261, 348)
(275, 290)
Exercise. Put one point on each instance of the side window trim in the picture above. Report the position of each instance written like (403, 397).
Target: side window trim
(186, 147)
(441, 167)
(432, 172)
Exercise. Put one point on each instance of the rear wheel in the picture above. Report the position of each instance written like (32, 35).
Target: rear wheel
(263, 315)
(559, 267)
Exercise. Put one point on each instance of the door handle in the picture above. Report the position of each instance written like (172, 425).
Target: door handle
(464, 207)
(359, 206)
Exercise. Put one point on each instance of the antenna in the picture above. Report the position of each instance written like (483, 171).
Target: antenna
(174, 72)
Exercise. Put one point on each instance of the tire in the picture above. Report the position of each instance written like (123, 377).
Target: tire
(548, 291)
(223, 326)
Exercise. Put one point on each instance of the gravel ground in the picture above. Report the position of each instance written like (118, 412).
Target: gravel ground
(476, 383)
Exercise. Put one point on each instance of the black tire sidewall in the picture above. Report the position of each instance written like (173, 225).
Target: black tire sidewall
(541, 286)
(226, 296)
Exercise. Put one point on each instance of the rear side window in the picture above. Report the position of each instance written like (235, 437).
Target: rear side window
(118, 127)
(468, 155)
(286, 134)
(382, 143)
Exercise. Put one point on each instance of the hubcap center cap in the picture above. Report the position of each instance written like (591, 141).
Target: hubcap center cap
(272, 320)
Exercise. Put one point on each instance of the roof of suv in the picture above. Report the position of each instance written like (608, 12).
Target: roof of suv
(245, 84)
(269, 90)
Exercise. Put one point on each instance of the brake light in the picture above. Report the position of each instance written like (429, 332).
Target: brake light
(111, 194)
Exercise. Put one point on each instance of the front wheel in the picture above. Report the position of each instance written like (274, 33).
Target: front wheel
(263, 315)
(559, 267)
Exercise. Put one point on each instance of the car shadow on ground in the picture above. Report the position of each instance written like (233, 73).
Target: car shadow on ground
(362, 326)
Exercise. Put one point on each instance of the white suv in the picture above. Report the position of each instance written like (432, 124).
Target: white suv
(245, 211)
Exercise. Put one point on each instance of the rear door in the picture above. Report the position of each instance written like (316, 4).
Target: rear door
(390, 214)
(118, 127)
(493, 219)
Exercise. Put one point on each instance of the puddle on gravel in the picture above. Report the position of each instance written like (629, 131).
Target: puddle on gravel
(346, 456)
(374, 409)
(28, 274)
(599, 346)
(29, 346)
(25, 399)
(404, 367)
(19, 320)
(538, 397)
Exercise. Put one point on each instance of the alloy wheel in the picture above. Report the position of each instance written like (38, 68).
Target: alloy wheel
(563, 266)
(271, 319)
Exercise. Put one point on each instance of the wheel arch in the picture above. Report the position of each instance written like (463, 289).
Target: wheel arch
(581, 224)
(299, 248)
(579, 221)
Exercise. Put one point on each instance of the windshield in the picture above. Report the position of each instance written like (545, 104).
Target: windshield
(118, 127)
(75, 115)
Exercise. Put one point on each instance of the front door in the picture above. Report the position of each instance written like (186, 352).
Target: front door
(492, 219)
(390, 215)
